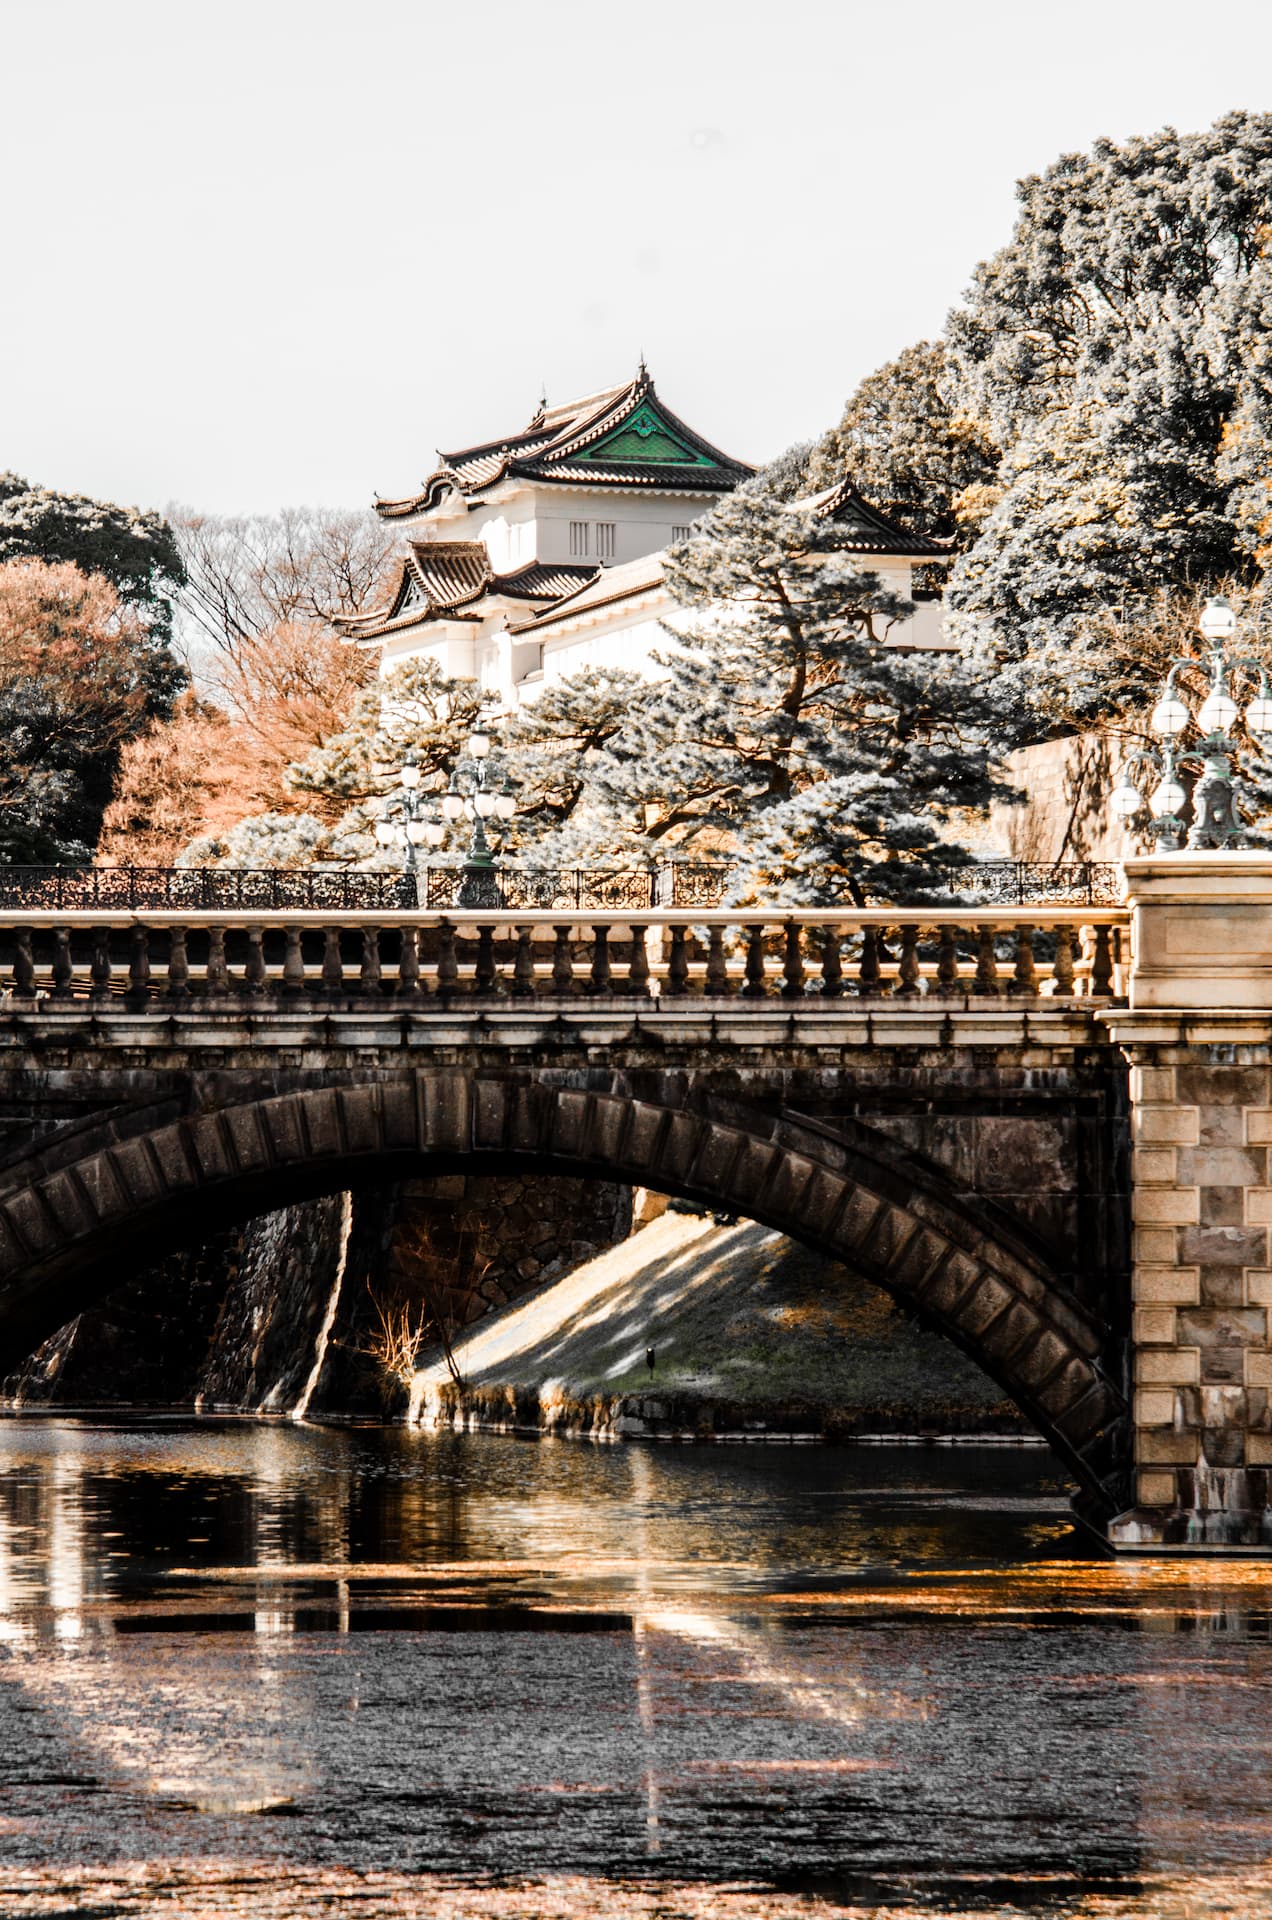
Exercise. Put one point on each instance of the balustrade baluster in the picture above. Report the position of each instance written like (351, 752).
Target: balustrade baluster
(717, 984)
(908, 971)
(638, 965)
(408, 980)
(986, 980)
(946, 961)
(602, 979)
(63, 966)
(832, 970)
(1062, 969)
(676, 983)
(754, 985)
(99, 970)
(138, 969)
(1102, 963)
(332, 963)
(792, 963)
(485, 974)
(177, 983)
(254, 965)
(217, 978)
(562, 963)
(293, 963)
(1024, 978)
(523, 965)
(23, 966)
(369, 972)
(869, 972)
(447, 962)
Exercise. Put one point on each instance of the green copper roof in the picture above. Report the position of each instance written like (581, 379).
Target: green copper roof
(643, 440)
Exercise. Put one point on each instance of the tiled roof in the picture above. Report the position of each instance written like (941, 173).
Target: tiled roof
(868, 528)
(567, 446)
(541, 581)
(634, 577)
(446, 579)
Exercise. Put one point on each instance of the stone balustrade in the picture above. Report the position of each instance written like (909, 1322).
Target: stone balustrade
(959, 954)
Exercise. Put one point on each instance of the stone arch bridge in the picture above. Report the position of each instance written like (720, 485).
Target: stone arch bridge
(946, 1105)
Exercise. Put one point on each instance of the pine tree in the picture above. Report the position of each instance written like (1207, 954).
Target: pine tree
(559, 745)
(786, 732)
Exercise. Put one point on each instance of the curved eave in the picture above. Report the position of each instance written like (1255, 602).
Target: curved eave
(621, 479)
(917, 547)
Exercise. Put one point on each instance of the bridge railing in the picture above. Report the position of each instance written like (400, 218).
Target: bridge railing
(161, 961)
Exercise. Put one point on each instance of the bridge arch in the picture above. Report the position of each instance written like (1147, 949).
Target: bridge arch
(147, 1180)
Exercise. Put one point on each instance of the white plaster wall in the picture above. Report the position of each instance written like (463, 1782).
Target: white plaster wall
(533, 523)
(642, 523)
(628, 643)
(452, 650)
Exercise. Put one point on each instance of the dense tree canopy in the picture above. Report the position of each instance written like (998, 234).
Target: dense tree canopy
(135, 551)
(1116, 347)
(76, 683)
(790, 731)
(911, 450)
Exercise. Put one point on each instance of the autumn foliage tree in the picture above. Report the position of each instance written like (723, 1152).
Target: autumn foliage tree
(77, 683)
(275, 682)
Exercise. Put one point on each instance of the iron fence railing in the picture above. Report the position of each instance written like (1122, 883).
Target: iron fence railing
(704, 884)
(1025, 883)
(198, 889)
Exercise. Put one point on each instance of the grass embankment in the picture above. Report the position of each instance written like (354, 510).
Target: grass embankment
(751, 1334)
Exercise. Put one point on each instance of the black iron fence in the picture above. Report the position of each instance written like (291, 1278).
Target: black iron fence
(199, 889)
(1007, 883)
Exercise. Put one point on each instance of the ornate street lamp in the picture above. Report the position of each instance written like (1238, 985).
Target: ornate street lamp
(407, 822)
(1215, 823)
(480, 801)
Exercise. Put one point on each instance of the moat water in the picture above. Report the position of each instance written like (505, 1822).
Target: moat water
(272, 1670)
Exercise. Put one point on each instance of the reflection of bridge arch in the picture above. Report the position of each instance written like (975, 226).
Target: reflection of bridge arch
(142, 1184)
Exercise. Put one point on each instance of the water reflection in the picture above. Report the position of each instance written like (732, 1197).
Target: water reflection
(312, 1662)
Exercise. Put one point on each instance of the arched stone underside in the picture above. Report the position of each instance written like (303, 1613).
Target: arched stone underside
(137, 1183)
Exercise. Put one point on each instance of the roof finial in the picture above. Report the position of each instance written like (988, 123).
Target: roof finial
(543, 396)
(644, 370)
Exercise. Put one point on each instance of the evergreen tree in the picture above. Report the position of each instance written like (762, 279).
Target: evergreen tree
(786, 732)
(1104, 347)
(137, 552)
(923, 460)
(559, 744)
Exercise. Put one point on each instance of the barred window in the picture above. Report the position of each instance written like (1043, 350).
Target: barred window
(578, 539)
(605, 531)
(680, 533)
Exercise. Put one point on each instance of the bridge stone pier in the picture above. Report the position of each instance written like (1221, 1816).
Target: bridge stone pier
(1044, 1130)
(1197, 1039)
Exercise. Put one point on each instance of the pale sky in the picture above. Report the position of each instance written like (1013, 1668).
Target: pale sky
(276, 253)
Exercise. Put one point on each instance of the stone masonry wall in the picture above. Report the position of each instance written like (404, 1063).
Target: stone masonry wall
(1202, 1286)
(437, 1254)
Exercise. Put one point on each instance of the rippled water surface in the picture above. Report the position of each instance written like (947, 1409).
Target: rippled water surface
(271, 1670)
